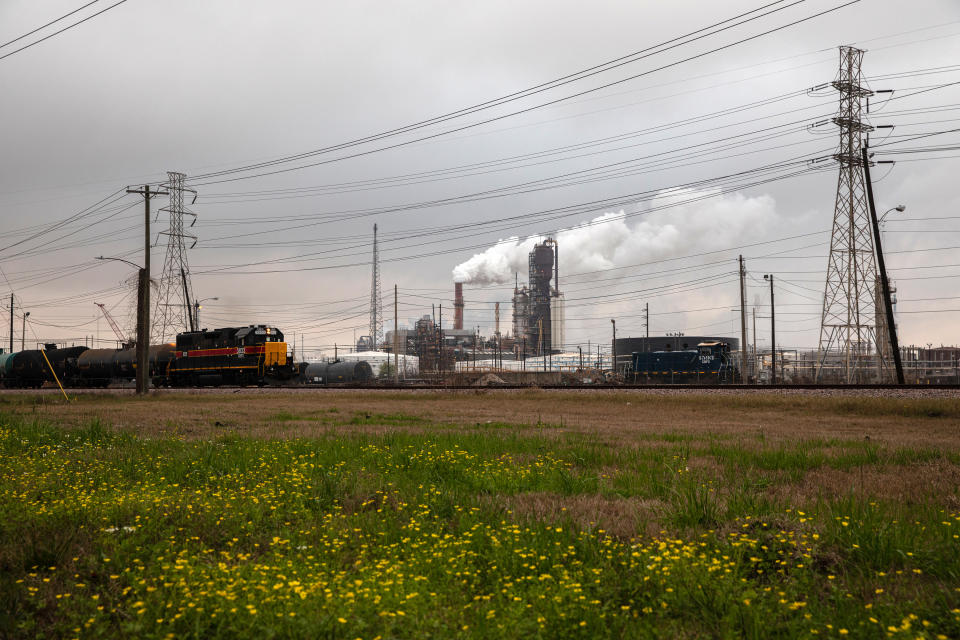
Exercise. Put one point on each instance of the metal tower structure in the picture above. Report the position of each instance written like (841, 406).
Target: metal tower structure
(172, 312)
(376, 298)
(848, 331)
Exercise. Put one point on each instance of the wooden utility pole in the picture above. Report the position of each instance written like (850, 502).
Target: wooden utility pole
(143, 294)
(646, 326)
(614, 363)
(773, 333)
(396, 334)
(743, 321)
(11, 323)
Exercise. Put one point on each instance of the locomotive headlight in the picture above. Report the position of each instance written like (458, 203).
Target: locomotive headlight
(268, 331)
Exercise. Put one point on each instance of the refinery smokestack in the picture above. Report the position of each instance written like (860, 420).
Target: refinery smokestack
(458, 305)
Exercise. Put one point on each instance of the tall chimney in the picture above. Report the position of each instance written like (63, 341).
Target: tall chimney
(556, 267)
(458, 305)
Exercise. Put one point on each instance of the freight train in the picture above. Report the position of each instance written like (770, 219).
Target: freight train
(709, 363)
(338, 373)
(252, 355)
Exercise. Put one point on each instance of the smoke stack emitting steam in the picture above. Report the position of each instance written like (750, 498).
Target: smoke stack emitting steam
(608, 241)
(458, 305)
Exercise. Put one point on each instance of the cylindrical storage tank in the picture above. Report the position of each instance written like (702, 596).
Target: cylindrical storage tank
(96, 366)
(338, 372)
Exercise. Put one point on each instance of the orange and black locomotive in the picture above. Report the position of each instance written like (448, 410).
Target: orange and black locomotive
(251, 355)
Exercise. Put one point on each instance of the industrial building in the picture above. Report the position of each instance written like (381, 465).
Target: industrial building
(538, 308)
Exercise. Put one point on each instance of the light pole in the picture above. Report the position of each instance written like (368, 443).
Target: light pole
(143, 325)
(900, 208)
(773, 333)
(23, 332)
(196, 311)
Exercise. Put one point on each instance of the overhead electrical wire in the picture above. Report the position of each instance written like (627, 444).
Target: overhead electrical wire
(516, 95)
(199, 179)
(42, 27)
(58, 32)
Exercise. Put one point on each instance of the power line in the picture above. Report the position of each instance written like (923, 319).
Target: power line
(40, 28)
(487, 121)
(511, 97)
(36, 42)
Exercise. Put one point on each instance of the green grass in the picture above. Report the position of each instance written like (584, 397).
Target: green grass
(407, 535)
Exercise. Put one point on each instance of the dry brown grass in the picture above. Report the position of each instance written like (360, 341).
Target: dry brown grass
(621, 517)
(620, 417)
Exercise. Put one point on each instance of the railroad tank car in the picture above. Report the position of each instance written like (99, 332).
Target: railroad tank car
(709, 363)
(32, 367)
(159, 357)
(255, 354)
(96, 367)
(6, 364)
(25, 370)
(338, 372)
(63, 362)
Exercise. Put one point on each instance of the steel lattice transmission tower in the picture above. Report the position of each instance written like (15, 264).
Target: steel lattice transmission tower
(848, 331)
(376, 298)
(172, 313)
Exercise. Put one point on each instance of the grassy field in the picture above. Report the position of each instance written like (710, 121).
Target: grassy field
(487, 514)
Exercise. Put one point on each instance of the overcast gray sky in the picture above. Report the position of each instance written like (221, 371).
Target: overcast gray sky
(199, 87)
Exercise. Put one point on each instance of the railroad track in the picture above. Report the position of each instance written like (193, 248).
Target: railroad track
(508, 387)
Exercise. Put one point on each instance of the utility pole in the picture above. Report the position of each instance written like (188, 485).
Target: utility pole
(396, 331)
(186, 304)
(23, 332)
(11, 323)
(614, 323)
(884, 283)
(743, 321)
(753, 364)
(646, 326)
(580, 349)
(143, 293)
(773, 333)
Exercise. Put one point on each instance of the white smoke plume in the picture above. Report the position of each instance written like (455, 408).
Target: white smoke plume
(685, 227)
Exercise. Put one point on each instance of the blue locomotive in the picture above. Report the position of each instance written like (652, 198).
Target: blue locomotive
(709, 363)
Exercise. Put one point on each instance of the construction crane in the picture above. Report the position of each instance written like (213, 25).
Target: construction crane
(112, 323)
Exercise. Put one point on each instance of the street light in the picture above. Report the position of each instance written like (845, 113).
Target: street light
(900, 208)
(23, 332)
(196, 311)
(143, 325)
(132, 264)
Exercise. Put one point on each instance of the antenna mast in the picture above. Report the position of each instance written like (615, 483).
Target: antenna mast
(376, 298)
